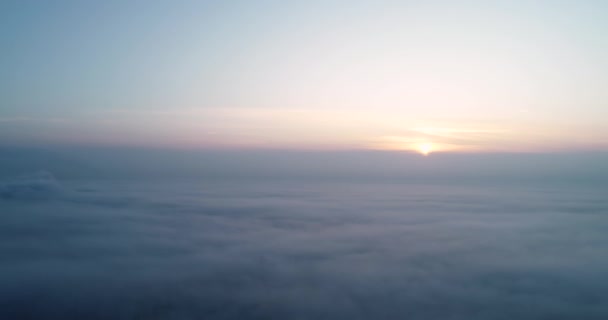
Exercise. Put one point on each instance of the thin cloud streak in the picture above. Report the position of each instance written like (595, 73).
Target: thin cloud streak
(343, 129)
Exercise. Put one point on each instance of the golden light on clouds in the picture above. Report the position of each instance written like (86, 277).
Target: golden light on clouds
(338, 129)
(423, 144)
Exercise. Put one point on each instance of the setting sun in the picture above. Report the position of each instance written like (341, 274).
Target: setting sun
(425, 148)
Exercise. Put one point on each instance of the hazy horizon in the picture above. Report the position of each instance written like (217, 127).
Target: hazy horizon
(98, 162)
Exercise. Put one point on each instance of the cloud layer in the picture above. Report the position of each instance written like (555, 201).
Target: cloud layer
(36, 186)
(305, 250)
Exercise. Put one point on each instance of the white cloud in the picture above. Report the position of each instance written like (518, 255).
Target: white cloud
(300, 250)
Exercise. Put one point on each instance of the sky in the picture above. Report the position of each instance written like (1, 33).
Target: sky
(425, 76)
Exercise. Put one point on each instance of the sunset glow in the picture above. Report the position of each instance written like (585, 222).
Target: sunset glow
(425, 148)
(502, 77)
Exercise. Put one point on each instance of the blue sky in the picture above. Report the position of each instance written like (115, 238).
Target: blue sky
(398, 75)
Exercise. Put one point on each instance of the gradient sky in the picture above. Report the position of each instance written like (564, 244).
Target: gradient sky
(456, 75)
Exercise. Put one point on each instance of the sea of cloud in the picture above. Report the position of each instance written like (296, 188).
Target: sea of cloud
(238, 249)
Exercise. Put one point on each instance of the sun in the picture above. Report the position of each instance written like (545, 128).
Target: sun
(425, 148)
